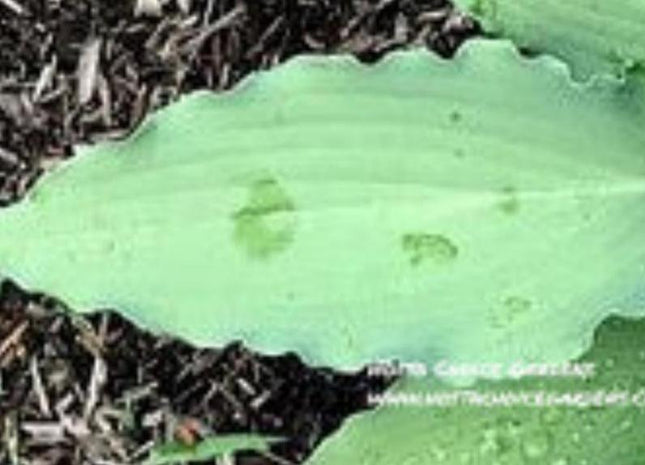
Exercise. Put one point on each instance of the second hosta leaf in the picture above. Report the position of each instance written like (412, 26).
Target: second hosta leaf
(426, 422)
(594, 36)
(415, 209)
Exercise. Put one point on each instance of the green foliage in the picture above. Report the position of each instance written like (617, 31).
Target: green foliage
(208, 449)
(593, 36)
(411, 210)
(519, 435)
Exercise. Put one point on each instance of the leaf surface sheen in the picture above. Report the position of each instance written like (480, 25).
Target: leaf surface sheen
(415, 209)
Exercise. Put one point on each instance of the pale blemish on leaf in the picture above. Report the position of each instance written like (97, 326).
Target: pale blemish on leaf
(510, 203)
(509, 311)
(517, 305)
(434, 248)
(265, 225)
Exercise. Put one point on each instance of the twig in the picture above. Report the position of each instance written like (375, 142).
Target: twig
(9, 157)
(44, 432)
(88, 71)
(275, 458)
(98, 380)
(148, 7)
(230, 18)
(43, 401)
(14, 6)
(13, 337)
(44, 81)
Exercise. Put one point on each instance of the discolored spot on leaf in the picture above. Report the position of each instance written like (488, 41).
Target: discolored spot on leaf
(510, 311)
(423, 247)
(484, 8)
(510, 203)
(265, 225)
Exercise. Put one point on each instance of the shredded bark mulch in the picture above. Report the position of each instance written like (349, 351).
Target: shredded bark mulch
(95, 389)
(81, 71)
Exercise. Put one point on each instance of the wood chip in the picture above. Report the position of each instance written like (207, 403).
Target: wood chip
(37, 384)
(184, 6)
(224, 22)
(87, 72)
(45, 80)
(14, 6)
(148, 8)
(44, 432)
(97, 381)
(13, 338)
(9, 157)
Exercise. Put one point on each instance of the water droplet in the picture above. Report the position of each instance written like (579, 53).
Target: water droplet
(551, 416)
(626, 424)
(489, 443)
(510, 203)
(514, 428)
(422, 247)
(110, 246)
(537, 445)
(439, 454)
(496, 441)
(415, 459)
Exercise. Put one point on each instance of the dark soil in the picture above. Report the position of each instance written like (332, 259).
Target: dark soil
(96, 389)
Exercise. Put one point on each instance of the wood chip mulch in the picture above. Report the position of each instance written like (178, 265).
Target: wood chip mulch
(81, 71)
(94, 389)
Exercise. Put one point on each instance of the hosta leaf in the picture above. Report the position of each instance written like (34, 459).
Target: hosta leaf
(594, 36)
(415, 209)
(520, 435)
